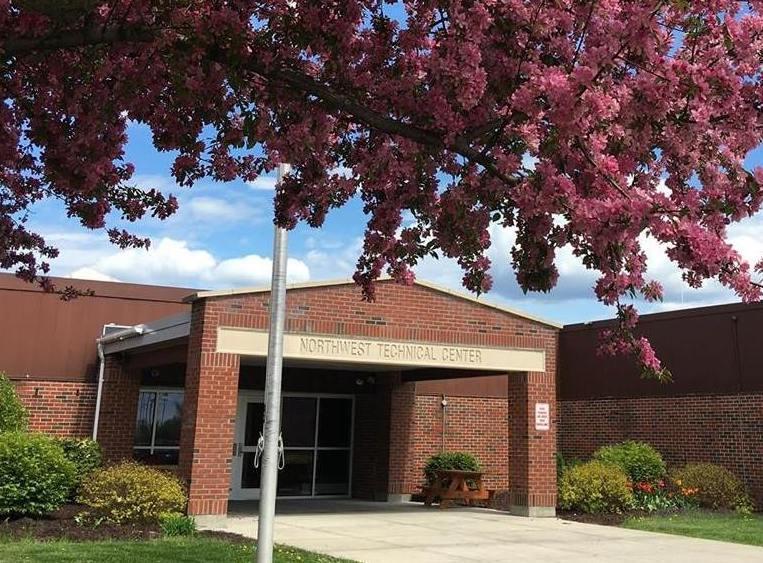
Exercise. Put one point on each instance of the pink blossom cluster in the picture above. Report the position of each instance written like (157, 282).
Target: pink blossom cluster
(638, 117)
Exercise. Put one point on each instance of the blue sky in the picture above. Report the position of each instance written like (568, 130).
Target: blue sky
(222, 237)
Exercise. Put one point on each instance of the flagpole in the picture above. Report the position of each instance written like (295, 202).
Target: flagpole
(272, 423)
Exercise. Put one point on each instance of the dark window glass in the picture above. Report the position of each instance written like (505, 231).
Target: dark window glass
(159, 457)
(332, 472)
(168, 418)
(145, 420)
(157, 427)
(255, 413)
(335, 423)
(298, 421)
(250, 475)
(297, 475)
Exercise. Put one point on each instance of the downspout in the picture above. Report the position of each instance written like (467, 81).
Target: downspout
(99, 393)
(136, 330)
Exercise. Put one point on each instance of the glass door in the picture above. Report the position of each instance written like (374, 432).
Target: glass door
(317, 435)
(245, 477)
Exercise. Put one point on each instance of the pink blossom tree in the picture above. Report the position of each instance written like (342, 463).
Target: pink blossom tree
(637, 116)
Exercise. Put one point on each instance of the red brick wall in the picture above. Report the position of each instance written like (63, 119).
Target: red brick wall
(61, 408)
(402, 440)
(722, 429)
(119, 407)
(472, 424)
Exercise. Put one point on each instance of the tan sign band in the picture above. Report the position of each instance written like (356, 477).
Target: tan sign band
(248, 342)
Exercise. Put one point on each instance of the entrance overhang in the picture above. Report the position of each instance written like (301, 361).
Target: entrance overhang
(320, 348)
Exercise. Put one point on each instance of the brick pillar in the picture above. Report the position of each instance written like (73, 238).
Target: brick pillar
(532, 453)
(119, 406)
(209, 414)
(401, 442)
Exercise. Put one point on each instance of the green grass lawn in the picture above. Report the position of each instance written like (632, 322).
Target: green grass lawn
(175, 550)
(729, 527)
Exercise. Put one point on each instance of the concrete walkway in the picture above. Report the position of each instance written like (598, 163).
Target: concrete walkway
(380, 532)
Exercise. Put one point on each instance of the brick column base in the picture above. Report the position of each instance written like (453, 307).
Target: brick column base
(532, 452)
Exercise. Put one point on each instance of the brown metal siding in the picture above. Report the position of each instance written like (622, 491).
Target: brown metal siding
(710, 350)
(43, 337)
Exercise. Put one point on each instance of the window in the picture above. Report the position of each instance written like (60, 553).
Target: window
(157, 427)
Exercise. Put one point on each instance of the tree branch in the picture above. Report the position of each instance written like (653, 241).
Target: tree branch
(72, 38)
(300, 81)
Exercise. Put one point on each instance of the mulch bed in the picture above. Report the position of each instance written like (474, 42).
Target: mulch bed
(62, 525)
(604, 519)
(608, 519)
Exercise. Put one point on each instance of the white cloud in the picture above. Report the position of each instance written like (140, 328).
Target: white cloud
(205, 208)
(173, 262)
(575, 287)
(263, 183)
(91, 274)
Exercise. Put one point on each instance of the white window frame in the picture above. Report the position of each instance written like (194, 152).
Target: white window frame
(156, 391)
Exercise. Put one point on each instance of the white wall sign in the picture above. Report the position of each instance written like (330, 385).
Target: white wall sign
(542, 416)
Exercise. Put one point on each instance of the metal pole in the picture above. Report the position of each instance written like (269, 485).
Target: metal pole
(272, 424)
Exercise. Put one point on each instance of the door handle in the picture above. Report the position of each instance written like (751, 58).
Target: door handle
(235, 449)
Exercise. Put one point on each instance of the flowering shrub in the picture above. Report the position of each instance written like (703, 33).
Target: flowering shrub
(712, 486)
(595, 487)
(640, 461)
(661, 496)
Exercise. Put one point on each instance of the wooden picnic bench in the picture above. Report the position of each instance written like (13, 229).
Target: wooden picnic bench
(450, 484)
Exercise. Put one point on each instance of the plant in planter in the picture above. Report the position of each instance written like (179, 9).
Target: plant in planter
(458, 461)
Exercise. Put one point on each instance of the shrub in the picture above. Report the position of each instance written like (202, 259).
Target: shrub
(130, 492)
(563, 464)
(460, 461)
(84, 453)
(640, 461)
(13, 415)
(595, 487)
(175, 524)
(712, 486)
(35, 476)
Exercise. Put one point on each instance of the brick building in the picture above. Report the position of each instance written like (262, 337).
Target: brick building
(370, 389)
(711, 412)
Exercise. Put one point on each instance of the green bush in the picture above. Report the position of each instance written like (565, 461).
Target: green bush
(35, 476)
(460, 461)
(712, 486)
(84, 453)
(175, 524)
(130, 492)
(640, 461)
(13, 416)
(595, 487)
(563, 464)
